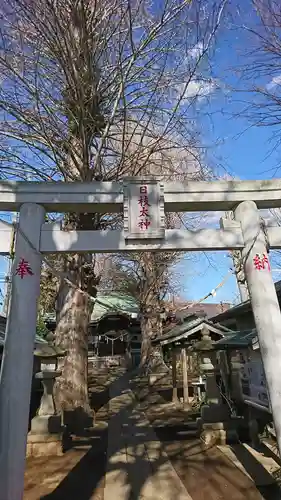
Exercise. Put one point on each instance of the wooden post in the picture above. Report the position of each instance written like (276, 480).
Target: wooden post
(174, 376)
(184, 377)
(190, 360)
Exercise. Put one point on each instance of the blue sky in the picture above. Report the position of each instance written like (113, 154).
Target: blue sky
(233, 147)
(3, 262)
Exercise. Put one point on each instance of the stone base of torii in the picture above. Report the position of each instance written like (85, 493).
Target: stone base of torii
(33, 239)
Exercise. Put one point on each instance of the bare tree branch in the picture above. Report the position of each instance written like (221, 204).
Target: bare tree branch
(99, 90)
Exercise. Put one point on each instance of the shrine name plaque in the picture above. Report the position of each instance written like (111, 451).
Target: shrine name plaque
(144, 216)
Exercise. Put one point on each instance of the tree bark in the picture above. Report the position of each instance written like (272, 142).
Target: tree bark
(149, 327)
(73, 316)
(151, 321)
(151, 356)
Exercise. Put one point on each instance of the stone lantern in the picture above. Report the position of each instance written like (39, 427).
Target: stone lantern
(214, 414)
(45, 436)
(209, 368)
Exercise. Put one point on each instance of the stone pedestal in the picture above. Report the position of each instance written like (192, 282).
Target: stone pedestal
(212, 413)
(214, 410)
(215, 424)
(45, 436)
(219, 433)
(236, 386)
(46, 424)
(44, 445)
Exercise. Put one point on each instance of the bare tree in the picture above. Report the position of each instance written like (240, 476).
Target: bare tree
(81, 79)
(147, 277)
(260, 74)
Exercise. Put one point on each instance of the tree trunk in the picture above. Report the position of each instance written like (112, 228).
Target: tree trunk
(151, 357)
(149, 325)
(73, 318)
(151, 321)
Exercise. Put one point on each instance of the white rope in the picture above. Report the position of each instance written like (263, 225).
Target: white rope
(210, 294)
(115, 338)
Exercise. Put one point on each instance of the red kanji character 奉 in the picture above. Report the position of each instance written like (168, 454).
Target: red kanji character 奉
(144, 224)
(24, 269)
(144, 212)
(143, 189)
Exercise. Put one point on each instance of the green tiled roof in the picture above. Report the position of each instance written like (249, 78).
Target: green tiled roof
(114, 303)
(38, 340)
(183, 330)
(242, 338)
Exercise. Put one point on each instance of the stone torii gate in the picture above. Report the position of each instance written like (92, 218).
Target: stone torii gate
(144, 202)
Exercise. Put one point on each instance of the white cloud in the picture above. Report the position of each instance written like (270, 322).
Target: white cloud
(276, 80)
(199, 88)
(196, 51)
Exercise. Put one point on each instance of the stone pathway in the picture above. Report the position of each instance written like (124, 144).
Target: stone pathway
(134, 459)
(167, 464)
(137, 466)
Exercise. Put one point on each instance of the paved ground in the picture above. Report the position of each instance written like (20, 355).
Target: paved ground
(131, 461)
(137, 466)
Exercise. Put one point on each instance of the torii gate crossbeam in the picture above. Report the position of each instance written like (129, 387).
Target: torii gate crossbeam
(107, 197)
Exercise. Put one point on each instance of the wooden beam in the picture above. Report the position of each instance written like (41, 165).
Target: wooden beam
(184, 336)
(184, 378)
(174, 376)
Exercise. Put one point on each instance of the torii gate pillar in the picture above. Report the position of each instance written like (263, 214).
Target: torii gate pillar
(264, 301)
(17, 363)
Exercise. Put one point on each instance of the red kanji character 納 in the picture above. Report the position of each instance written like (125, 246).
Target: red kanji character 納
(261, 262)
(23, 269)
(143, 189)
(265, 262)
(144, 224)
(258, 262)
(144, 212)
